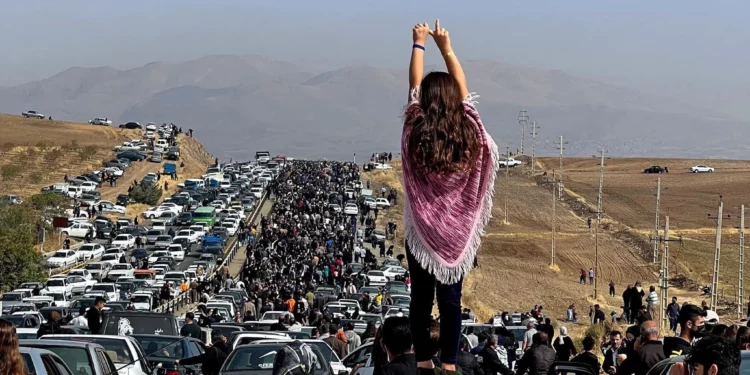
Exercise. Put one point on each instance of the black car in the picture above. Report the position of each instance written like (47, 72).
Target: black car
(258, 359)
(122, 200)
(175, 348)
(139, 253)
(150, 323)
(103, 229)
(131, 125)
(93, 177)
(185, 219)
(131, 155)
(656, 169)
(172, 155)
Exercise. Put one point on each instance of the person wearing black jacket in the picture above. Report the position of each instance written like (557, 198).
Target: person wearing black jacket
(210, 361)
(491, 363)
(615, 347)
(466, 363)
(564, 346)
(650, 352)
(588, 357)
(53, 325)
(94, 316)
(539, 358)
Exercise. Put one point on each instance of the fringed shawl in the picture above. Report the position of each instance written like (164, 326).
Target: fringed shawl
(445, 214)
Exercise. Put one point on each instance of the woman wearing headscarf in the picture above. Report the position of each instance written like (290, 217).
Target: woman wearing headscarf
(564, 346)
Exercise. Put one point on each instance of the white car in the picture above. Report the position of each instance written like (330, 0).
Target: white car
(79, 284)
(149, 135)
(177, 252)
(159, 225)
(112, 259)
(121, 270)
(376, 278)
(176, 208)
(382, 203)
(88, 186)
(59, 285)
(154, 212)
(190, 234)
(110, 170)
(391, 272)
(89, 251)
(63, 258)
(108, 288)
(81, 272)
(509, 162)
(61, 299)
(78, 229)
(230, 226)
(151, 126)
(156, 254)
(125, 347)
(124, 241)
(701, 169)
(257, 192)
(199, 230)
(101, 121)
(110, 208)
(371, 202)
(335, 207)
(351, 209)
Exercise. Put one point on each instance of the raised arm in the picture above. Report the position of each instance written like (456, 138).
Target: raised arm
(443, 41)
(416, 66)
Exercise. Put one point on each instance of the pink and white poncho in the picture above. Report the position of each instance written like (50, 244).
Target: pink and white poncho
(445, 214)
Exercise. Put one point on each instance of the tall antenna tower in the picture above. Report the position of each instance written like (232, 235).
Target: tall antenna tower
(523, 119)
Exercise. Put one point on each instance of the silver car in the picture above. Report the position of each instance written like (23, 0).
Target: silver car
(36, 361)
(156, 157)
(162, 242)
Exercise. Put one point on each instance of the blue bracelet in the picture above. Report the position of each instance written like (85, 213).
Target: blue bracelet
(418, 46)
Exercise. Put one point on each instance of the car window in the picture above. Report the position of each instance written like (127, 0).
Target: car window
(74, 358)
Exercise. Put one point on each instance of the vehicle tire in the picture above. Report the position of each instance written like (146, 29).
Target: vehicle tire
(695, 171)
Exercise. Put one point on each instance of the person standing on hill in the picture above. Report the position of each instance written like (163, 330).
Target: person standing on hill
(652, 301)
(445, 149)
(611, 288)
(591, 276)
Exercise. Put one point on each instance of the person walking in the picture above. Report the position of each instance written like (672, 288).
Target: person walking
(564, 346)
(673, 313)
(439, 255)
(591, 276)
(611, 288)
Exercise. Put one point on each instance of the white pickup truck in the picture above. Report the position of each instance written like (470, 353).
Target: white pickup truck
(101, 121)
(510, 163)
(33, 114)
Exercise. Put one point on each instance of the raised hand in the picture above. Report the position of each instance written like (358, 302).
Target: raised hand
(441, 37)
(420, 33)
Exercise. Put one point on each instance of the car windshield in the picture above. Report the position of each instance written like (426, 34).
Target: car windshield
(94, 266)
(109, 257)
(104, 288)
(120, 267)
(75, 358)
(252, 358)
(56, 296)
(55, 282)
(164, 239)
(152, 344)
(140, 323)
(122, 237)
(139, 298)
(375, 273)
(60, 254)
(335, 309)
(153, 233)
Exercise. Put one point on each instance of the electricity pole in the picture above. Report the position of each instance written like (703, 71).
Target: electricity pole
(523, 119)
(656, 224)
(561, 147)
(599, 213)
(717, 255)
(665, 272)
(533, 145)
(742, 262)
(554, 215)
(507, 183)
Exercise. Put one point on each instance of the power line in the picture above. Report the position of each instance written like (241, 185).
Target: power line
(507, 182)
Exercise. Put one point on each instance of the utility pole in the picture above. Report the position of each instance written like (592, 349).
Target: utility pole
(665, 272)
(523, 119)
(740, 298)
(533, 145)
(599, 213)
(717, 256)
(507, 183)
(561, 147)
(554, 216)
(656, 224)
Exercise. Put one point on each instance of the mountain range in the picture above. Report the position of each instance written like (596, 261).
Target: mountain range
(239, 104)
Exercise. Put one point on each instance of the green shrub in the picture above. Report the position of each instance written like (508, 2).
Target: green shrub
(87, 152)
(35, 178)
(10, 171)
(148, 194)
(53, 155)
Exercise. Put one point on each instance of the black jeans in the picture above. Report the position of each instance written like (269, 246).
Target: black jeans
(423, 287)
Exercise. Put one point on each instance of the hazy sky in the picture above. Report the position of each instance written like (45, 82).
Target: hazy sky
(645, 43)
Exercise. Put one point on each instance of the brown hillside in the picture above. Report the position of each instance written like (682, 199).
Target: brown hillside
(36, 153)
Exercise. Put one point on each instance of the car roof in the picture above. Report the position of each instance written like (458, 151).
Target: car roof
(57, 343)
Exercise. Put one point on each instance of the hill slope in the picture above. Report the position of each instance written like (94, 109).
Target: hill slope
(250, 102)
(36, 153)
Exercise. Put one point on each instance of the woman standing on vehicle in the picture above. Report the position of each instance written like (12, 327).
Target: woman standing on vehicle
(449, 164)
(11, 362)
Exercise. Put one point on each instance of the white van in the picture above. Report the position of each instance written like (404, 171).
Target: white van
(161, 145)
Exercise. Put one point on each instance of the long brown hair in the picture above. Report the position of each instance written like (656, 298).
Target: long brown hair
(11, 362)
(440, 140)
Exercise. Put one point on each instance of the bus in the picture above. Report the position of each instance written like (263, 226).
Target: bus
(205, 215)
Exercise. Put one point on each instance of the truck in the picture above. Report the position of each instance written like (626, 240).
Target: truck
(33, 114)
(263, 156)
(169, 168)
(509, 163)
